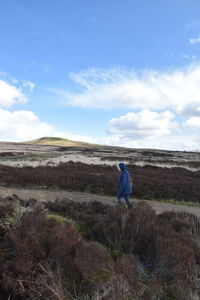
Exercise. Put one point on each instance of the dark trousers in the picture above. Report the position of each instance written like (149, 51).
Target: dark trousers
(126, 196)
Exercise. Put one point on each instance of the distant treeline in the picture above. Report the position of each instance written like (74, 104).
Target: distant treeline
(149, 182)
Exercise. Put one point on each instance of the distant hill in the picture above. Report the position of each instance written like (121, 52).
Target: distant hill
(61, 142)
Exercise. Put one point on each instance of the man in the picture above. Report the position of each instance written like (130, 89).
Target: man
(125, 186)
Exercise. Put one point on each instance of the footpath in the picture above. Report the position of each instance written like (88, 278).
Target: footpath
(52, 195)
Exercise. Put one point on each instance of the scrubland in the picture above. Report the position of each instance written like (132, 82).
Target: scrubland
(65, 250)
(70, 251)
(149, 182)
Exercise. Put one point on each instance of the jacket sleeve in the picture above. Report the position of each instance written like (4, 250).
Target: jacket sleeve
(122, 182)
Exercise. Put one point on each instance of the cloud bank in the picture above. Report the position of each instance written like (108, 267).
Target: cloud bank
(25, 125)
(193, 122)
(163, 107)
(10, 94)
(176, 90)
(22, 125)
(143, 124)
(18, 125)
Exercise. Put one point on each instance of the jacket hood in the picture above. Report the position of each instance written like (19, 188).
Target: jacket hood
(122, 166)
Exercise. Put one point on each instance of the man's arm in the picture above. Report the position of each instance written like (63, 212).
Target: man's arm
(122, 183)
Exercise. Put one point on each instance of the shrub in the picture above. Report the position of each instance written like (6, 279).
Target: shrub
(5, 209)
(149, 182)
(128, 254)
(36, 239)
(127, 267)
(95, 264)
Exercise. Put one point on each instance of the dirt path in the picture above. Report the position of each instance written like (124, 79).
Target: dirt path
(52, 195)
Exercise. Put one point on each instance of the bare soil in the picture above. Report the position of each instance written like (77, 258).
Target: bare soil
(44, 195)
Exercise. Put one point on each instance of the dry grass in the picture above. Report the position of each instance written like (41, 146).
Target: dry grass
(61, 142)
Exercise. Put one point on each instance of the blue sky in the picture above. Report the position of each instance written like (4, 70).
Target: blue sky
(117, 72)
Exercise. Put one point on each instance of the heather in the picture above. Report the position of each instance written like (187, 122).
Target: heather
(149, 182)
(66, 250)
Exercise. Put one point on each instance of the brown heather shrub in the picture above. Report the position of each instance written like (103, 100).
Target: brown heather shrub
(129, 254)
(180, 290)
(177, 258)
(36, 239)
(48, 284)
(155, 290)
(159, 241)
(194, 222)
(95, 265)
(182, 226)
(109, 232)
(142, 216)
(129, 232)
(127, 267)
(174, 257)
(5, 209)
(149, 182)
(64, 240)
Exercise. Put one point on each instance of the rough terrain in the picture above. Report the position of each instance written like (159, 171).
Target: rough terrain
(52, 195)
(23, 154)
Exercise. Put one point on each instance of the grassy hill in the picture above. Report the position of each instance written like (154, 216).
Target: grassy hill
(61, 142)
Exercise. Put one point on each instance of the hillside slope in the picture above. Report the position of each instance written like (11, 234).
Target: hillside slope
(57, 141)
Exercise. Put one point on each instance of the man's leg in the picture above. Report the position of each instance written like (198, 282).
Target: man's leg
(119, 196)
(127, 201)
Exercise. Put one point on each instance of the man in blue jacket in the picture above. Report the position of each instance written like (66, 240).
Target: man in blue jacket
(125, 185)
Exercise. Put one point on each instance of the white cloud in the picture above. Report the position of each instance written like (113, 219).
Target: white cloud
(158, 101)
(159, 98)
(29, 84)
(194, 40)
(191, 109)
(25, 125)
(152, 130)
(22, 125)
(193, 123)
(143, 124)
(9, 95)
(168, 142)
(75, 137)
(117, 88)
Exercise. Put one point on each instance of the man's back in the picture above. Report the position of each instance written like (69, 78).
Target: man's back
(125, 180)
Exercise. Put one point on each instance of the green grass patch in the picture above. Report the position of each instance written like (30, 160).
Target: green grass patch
(61, 142)
(59, 219)
(172, 201)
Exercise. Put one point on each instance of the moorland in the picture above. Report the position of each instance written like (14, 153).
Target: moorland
(157, 174)
(70, 250)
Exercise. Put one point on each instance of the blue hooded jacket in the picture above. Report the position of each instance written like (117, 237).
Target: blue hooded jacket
(125, 185)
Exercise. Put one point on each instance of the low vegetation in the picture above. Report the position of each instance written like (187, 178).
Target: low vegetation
(149, 182)
(71, 251)
(61, 142)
